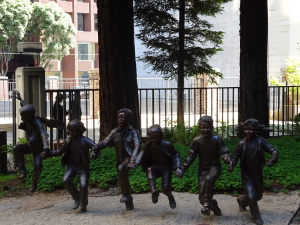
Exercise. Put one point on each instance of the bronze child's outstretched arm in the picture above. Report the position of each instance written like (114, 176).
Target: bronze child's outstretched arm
(17, 95)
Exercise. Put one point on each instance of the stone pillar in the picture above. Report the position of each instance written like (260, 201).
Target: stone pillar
(94, 97)
(3, 88)
(30, 82)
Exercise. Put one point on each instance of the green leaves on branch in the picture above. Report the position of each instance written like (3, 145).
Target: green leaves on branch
(23, 21)
(55, 29)
(158, 23)
(14, 16)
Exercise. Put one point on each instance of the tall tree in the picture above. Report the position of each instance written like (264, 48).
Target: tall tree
(179, 41)
(14, 17)
(253, 60)
(118, 83)
(23, 21)
(55, 29)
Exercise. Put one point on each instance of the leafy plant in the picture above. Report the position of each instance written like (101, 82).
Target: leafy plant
(283, 176)
(180, 133)
(292, 76)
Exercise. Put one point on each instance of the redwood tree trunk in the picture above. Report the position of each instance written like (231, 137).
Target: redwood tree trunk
(118, 83)
(180, 81)
(253, 61)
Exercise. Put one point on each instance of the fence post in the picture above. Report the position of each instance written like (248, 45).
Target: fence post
(3, 153)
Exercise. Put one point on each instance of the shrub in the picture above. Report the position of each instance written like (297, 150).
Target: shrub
(284, 175)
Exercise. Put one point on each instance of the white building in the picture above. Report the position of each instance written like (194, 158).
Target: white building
(284, 35)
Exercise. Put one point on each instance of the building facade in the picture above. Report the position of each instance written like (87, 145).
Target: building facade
(84, 57)
(283, 40)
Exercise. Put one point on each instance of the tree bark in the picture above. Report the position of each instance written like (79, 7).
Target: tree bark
(180, 81)
(118, 83)
(253, 61)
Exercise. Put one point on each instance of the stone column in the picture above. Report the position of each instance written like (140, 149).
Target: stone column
(30, 82)
(94, 97)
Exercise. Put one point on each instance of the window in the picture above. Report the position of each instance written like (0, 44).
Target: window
(95, 22)
(80, 21)
(86, 51)
(83, 51)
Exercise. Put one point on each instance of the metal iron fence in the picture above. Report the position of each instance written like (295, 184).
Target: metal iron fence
(159, 106)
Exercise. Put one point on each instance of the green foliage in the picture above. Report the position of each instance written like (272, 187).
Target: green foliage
(14, 17)
(297, 127)
(20, 20)
(180, 133)
(224, 130)
(55, 29)
(292, 75)
(103, 170)
(282, 177)
(159, 31)
(6, 177)
(51, 176)
(286, 172)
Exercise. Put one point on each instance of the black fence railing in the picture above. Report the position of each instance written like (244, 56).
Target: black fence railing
(159, 106)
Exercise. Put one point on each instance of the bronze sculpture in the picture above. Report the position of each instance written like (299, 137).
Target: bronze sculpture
(210, 148)
(126, 141)
(37, 142)
(76, 159)
(158, 159)
(250, 151)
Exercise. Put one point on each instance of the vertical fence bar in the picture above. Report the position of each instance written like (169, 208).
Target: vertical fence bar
(146, 109)
(153, 122)
(159, 107)
(172, 107)
(227, 108)
(14, 118)
(51, 115)
(217, 105)
(195, 105)
(189, 106)
(140, 109)
(233, 104)
(166, 99)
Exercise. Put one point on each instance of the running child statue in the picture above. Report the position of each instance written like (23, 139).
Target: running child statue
(251, 153)
(210, 149)
(37, 140)
(159, 158)
(126, 141)
(76, 159)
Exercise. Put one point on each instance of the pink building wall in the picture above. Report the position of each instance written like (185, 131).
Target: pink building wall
(70, 65)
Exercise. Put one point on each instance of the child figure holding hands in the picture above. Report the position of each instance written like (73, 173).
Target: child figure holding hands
(76, 159)
(250, 151)
(159, 159)
(210, 149)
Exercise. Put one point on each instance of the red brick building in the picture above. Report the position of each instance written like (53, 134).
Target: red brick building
(84, 57)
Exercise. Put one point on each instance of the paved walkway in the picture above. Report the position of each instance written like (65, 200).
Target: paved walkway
(51, 208)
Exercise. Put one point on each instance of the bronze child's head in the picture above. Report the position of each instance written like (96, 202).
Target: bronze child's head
(75, 128)
(124, 116)
(206, 127)
(27, 113)
(250, 128)
(155, 134)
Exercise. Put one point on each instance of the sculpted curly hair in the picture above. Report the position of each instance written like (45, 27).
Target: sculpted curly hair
(77, 125)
